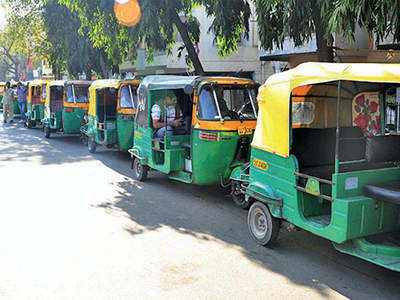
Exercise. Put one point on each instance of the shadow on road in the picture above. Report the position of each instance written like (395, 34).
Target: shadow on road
(208, 215)
(205, 213)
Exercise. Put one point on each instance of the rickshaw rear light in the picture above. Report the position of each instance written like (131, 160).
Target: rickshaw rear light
(208, 136)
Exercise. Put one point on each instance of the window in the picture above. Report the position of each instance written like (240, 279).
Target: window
(228, 102)
(128, 97)
(77, 94)
(303, 113)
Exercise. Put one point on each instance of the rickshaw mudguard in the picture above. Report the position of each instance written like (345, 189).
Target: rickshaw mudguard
(382, 252)
(136, 152)
(266, 194)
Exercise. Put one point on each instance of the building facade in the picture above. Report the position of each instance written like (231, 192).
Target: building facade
(245, 62)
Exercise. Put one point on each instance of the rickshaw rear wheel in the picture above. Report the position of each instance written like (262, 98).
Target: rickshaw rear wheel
(263, 227)
(140, 170)
(84, 139)
(47, 132)
(237, 196)
(92, 145)
(30, 124)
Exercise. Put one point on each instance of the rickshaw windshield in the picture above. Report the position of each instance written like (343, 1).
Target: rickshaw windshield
(228, 102)
(128, 98)
(77, 94)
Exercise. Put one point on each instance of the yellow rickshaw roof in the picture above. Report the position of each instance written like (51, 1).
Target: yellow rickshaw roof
(56, 83)
(272, 132)
(37, 82)
(105, 83)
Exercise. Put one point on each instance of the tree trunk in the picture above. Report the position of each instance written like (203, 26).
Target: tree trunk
(324, 44)
(103, 66)
(188, 43)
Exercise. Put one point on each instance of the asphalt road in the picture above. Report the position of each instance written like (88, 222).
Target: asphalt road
(77, 226)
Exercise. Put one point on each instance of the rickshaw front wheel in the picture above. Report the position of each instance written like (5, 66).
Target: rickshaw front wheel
(237, 196)
(140, 170)
(47, 132)
(91, 145)
(263, 227)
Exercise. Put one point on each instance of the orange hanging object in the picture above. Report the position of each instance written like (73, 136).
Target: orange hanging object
(127, 12)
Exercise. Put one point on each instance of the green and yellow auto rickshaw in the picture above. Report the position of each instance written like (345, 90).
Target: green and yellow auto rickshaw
(35, 105)
(2, 85)
(15, 100)
(66, 105)
(216, 118)
(325, 159)
(111, 115)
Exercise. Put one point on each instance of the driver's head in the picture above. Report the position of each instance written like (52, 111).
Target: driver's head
(171, 100)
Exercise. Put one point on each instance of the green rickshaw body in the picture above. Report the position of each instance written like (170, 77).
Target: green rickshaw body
(15, 99)
(2, 85)
(112, 111)
(340, 183)
(35, 105)
(66, 105)
(206, 149)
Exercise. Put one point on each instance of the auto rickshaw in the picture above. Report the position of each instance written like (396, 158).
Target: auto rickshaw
(35, 105)
(323, 160)
(218, 116)
(112, 110)
(2, 85)
(15, 100)
(66, 104)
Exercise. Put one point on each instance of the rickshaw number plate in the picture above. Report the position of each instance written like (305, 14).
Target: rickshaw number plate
(259, 164)
(245, 130)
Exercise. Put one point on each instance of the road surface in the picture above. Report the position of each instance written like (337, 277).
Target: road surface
(77, 226)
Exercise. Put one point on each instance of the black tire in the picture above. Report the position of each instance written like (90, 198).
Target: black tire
(30, 124)
(84, 139)
(92, 145)
(140, 170)
(237, 196)
(47, 132)
(263, 227)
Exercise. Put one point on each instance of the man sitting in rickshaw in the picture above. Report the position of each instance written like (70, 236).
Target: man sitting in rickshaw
(164, 117)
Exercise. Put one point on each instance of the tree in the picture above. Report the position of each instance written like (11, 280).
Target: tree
(379, 17)
(159, 24)
(298, 20)
(71, 49)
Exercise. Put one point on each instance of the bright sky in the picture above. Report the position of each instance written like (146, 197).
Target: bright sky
(2, 16)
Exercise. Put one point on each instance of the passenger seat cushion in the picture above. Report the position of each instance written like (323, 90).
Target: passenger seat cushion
(384, 191)
(383, 148)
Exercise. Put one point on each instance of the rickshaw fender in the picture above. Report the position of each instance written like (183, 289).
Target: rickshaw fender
(137, 152)
(259, 191)
(236, 173)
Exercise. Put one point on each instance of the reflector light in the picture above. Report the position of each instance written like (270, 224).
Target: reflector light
(208, 136)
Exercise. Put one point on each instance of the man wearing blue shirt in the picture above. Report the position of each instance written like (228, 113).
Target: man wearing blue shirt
(21, 94)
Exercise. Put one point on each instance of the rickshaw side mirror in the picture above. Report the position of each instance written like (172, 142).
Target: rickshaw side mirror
(188, 89)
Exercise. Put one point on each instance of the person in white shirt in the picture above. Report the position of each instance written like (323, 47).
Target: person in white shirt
(164, 118)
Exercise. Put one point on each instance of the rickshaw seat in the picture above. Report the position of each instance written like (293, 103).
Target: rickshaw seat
(384, 191)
